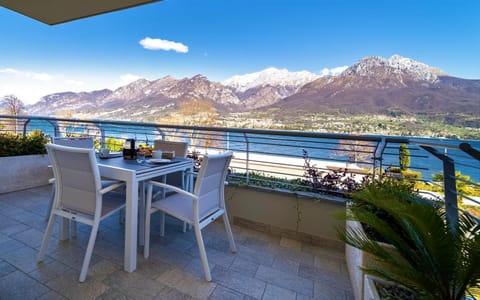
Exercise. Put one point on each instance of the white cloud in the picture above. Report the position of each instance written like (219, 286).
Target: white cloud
(27, 74)
(74, 82)
(159, 44)
(128, 78)
(333, 72)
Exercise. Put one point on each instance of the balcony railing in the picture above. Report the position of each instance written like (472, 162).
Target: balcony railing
(294, 160)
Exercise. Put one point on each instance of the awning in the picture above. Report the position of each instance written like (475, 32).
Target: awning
(59, 11)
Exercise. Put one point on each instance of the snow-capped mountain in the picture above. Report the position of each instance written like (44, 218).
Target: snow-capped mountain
(380, 85)
(396, 66)
(266, 87)
(270, 76)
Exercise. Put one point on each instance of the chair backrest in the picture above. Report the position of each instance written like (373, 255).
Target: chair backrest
(210, 182)
(180, 148)
(77, 178)
(79, 142)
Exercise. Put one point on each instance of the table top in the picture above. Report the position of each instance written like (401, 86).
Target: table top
(133, 165)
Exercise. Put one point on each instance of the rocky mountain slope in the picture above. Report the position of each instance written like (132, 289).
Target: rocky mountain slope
(379, 85)
(372, 85)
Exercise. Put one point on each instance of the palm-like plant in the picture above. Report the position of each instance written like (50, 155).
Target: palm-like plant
(431, 258)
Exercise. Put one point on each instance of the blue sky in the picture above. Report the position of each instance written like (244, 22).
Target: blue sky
(222, 38)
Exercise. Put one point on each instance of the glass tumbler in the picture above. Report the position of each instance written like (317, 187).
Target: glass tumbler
(140, 157)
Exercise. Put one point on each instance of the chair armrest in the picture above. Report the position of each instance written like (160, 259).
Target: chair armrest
(111, 187)
(172, 188)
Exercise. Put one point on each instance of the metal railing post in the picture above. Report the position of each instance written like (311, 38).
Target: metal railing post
(25, 126)
(247, 158)
(162, 133)
(102, 137)
(56, 131)
(378, 157)
(467, 148)
(228, 140)
(449, 185)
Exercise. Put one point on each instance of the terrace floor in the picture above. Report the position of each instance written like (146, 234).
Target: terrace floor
(265, 267)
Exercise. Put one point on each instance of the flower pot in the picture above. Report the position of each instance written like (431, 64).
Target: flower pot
(374, 285)
(356, 259)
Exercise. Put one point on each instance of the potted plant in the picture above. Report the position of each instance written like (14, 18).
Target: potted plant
(357, 258)
(24, 159)
(428, 255)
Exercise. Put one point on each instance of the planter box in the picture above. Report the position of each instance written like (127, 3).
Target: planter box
(370, 291)
(24, 172)
(357, 258)
(286, 214)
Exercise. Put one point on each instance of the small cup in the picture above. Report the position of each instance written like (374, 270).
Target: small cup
(157, 154)
(168, 154)
(104, 152)
(140, 157)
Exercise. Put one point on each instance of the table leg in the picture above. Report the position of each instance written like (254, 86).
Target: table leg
(131, 225)
(141, 214)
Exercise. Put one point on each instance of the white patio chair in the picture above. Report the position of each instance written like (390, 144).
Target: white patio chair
(199, 208)
(79, 195)
(180, 148)
(177, 179)
(80, 142)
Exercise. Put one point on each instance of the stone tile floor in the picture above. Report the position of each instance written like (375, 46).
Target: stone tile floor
(265, 267)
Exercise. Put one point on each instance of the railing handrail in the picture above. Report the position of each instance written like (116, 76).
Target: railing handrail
(293, 133)
(461, 145)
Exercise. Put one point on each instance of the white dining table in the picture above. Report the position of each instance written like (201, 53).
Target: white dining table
(134, 175)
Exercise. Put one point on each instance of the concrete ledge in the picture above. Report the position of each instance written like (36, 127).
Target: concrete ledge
(286, 214)
(24, 172)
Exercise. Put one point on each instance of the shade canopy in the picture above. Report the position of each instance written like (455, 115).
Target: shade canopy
(59, 11)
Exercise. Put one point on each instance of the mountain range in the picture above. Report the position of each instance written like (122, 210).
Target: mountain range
(372, 85)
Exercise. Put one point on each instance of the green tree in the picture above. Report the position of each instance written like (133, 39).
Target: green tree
(404, 157)
(14, 107)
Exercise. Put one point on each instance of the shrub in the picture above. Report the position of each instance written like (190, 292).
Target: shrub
(404, 157)
(14, 145)
(411, 175)
(114, 144)
(394, 170)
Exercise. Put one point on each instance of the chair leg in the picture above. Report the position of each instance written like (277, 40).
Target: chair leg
(184, 228)
(50, 204)
(46, 237)
(203, 253)
(121, 216)
(162, 214)
(88, 253)
(74, 228)
(162, 223)
(148, 217)
(228, 229)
